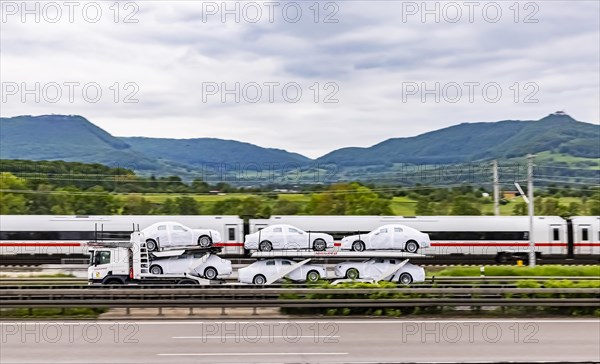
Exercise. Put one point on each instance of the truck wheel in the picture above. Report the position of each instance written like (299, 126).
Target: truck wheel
(358, 246)
(411, 246)
(156, 269)
(352, 273)
(319, 245)
(313, 276)
(502, 258)
(259, 280)
(265, 246)
(405, 278)
(187, 282)
(210, 273)
(204, 241)
(151, 245)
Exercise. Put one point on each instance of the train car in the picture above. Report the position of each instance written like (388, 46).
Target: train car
(65, 235)
(585, 235)
(502, 237)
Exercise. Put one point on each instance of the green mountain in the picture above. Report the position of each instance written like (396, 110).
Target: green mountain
(73, 138)
(557, 133)
(66, 137)
(201, 152)
(556, 139)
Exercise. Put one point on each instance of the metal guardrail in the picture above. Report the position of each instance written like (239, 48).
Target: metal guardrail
(296, 297)
(429, 281)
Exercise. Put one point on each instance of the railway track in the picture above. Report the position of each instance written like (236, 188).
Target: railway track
(430, 282)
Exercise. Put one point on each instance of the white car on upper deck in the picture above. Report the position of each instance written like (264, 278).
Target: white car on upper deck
(287, 237)
(171, 234)
(392, 236)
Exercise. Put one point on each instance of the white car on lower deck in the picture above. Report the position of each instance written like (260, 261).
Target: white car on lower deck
(373, 269)
(261, 271)
(287, 237)
(392, 236)
(198, 264)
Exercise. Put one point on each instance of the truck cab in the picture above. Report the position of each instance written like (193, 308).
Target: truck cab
(109, 265)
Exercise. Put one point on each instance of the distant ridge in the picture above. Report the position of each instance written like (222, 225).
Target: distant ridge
(74, 138)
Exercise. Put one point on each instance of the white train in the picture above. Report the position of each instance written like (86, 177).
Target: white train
(497, 236)
(43, 234)
(494, 236)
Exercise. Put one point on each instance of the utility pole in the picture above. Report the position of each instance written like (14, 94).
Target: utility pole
(531, 210)
(496, 189)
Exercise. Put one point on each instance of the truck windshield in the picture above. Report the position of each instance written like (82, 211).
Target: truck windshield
(102, 257)
(91, 259)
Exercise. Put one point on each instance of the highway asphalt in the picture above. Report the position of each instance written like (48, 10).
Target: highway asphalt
(301, 341)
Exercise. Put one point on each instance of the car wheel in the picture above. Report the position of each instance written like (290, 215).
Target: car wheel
(352, 273)
(151, 245)
(358, 246)
(313, 276)
(156, 269)
(204, 241)
(411, 246)
(210, 273)
(405, 278)
(265, 246)
(259, 280)
(319, 245)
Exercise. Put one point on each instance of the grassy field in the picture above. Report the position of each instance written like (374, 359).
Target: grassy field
(401, 206)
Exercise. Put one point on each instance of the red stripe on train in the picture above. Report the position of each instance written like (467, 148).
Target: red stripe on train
(40, 244)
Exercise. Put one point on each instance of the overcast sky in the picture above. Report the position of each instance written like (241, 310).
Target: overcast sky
(374, 58)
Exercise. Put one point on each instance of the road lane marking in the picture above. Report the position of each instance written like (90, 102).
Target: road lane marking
(246, 354)
(266, 337)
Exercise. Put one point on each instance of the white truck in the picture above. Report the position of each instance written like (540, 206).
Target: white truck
(115, 263)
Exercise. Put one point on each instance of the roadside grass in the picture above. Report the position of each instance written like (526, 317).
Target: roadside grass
(539, 271)
(52, 312)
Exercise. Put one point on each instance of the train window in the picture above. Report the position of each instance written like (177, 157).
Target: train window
(555, 234)
(270, 262)
(585, 234)
(231, 234)
(478, 235)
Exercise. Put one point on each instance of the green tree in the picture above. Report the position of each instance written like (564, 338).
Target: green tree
(12, 202)
(187, 206)
(286, 207)
(348, 199)
(230, 206)
(169, 207)
(136, 205)
(461, 206)
(520, 209)
(424, 207)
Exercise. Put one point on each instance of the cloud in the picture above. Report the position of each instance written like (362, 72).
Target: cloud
(366, 56)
